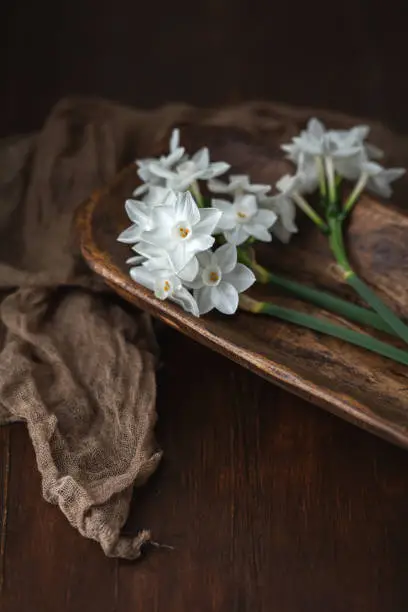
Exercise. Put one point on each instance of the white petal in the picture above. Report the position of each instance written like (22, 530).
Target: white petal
(236, 236)
(204, 258)
(137, 211)
(180, 256)
(184, 298)
(190, 270)
(241, 278)
(204, 299)
(225, 298)
(226, 256)
(140, 190)
(200, 243)
(209, 218)
(265, 217)
(136, 260)
(216, 169)
(174, 139)
(187, 209)
(281, 232)
(142, 276)
(392, 174)
(201, 159)
(316, 128)
(130, 235)
(174, 157)
(258, 231)
(223, 205)
(159, 170)
(217, 186)
(246, 203)
(227, 221)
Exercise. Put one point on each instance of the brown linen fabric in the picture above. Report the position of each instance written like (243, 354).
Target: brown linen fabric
(77, 364)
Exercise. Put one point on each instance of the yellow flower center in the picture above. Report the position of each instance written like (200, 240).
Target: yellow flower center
(214, 277)
(184, 232)
(241, 215)
(166, 286)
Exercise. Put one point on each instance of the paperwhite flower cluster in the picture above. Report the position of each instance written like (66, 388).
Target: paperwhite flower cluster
(173, 237)
(318, 152)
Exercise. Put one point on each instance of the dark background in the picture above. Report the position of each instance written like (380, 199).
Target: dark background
(271, 504)
(349, 55)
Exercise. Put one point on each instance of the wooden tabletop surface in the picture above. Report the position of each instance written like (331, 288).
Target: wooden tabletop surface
(267, 502)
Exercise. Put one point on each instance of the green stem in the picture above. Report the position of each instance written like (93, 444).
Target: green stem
(309, 211)
(196, 193)
(378, 305)
(325, 327)
(322, 299)
(339, 251)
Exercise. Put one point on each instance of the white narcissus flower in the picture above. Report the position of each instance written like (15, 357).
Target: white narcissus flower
(140, 212)
(166, 285)
(165, 161)
(154, 195)
(285, 209)
(220, 280)
(315, 141)
(182, 230)
(186, 173)
(242, 219)
(377, 179)
(239, 184)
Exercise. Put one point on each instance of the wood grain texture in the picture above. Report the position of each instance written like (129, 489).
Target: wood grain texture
(269, 503)
(364, 388)
(4, 487)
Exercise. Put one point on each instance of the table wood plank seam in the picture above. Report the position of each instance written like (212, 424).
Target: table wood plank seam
(4, 486)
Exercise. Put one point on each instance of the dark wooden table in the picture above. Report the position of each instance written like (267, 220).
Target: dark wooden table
(270, 503)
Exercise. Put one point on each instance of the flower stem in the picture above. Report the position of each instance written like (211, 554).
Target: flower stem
(309, 211)
(363, 290)
(325, 327)
(196, 193)
(355, 194)
(322, 177)
(322, 299)
(331, 181)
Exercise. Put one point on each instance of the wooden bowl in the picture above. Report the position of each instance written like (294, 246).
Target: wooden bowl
(359, 386)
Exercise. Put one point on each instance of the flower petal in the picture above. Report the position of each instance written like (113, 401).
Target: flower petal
(203, 297)
(136, 260)
(236, 236)
(316, 128)
(190, 270)
(225, 298)
(265, 217)
(141, 189)
(217, 186)
(174, 139)
(174, 157)
(142, 276)
(204, 258)
(216, 169)
(258, 231)
(184, 298)
(201, 159)
(226, 256)
(137, 211)
(130, 235)
(209, 218)
(223, 205)
(241, 278)
(187, 209)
